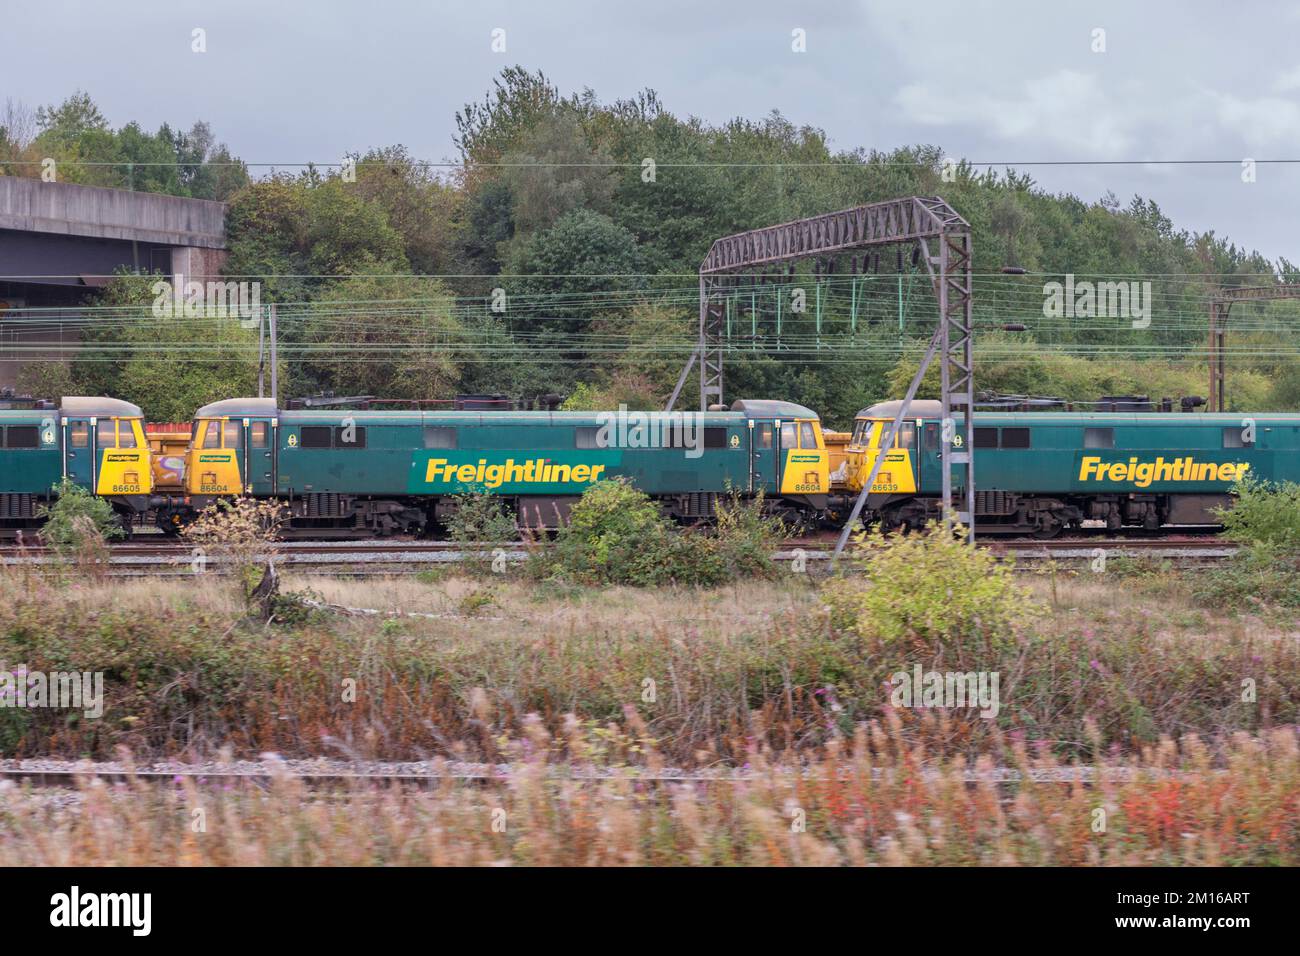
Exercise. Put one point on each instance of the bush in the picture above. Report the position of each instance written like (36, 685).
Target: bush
(241, 532)
(930, 591)
(481, 518)
(1264, 514)
(617, 535)
(1265, 523)
(78, 520)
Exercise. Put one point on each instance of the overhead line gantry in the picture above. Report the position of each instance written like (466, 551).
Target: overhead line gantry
(943, 238)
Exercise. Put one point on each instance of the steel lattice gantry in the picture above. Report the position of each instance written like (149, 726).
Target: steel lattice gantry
(1220, 306)
(944, 239)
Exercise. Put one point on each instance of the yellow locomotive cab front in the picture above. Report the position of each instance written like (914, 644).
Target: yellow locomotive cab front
(126, 464)
(897, 475)
(807, 463)
(212, 465)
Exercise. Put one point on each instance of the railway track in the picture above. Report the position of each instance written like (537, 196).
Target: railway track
(398, 556)
(318, 773)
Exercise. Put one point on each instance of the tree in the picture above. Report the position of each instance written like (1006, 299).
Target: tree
(583, 258)
(390, 338)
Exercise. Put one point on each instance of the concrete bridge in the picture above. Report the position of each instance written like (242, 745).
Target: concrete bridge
(59, 241)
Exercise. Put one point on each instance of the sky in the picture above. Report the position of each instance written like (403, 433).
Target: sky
(1001, 83)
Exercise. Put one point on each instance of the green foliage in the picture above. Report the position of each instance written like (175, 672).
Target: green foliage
(77, 520)
(394, 344)
(51, 380)
(155, 362)
(931, 592)
(1265, 522)
(479, 518)
(616, 534)
(1265, 515)
(584, 253)
(76, 135)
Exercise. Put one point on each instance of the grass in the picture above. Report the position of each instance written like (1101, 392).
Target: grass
(871, 798)
(778, 717)
(711, 672)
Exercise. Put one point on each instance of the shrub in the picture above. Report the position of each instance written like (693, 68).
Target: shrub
(241, 532)
(480, 517)
(78, 520)
(1265, 523)
(1264, 514)
(617, 535)
(930, 590)
(747, 537)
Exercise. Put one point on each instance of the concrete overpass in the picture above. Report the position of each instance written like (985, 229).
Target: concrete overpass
(59, 241)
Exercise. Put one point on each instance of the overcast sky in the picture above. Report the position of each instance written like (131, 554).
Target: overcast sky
(285, 81)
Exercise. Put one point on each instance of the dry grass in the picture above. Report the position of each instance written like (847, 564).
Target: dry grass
(712, 672)
(549, 685)
(864, 800)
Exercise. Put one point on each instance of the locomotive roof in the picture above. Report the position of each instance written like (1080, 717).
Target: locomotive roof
(770, 408)
(239, 408)
(98, 407)
(920, 408)
(932, 409)
(469, 417)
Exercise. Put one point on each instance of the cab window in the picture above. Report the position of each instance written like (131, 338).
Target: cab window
(125, 435)
(105, 433)
(807, 438)
(233, 434)
(788, 439)
(211, 435)
(906, 435)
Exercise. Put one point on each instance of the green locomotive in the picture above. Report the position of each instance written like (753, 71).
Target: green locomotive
(97, 443)
(1040, 472)
(347, 473)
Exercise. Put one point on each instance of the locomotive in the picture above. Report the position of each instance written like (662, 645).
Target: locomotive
(1038, 473)
(98, 443)
(351, 473)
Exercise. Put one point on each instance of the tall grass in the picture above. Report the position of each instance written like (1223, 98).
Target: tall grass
(712, 673)
(872, 798)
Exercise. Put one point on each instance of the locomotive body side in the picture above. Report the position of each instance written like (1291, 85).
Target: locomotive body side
(399, 471)
(1039, 472)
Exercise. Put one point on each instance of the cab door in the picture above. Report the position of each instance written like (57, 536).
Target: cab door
(930, 461)
(763, 456)
(79, 452)
(259, 456)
